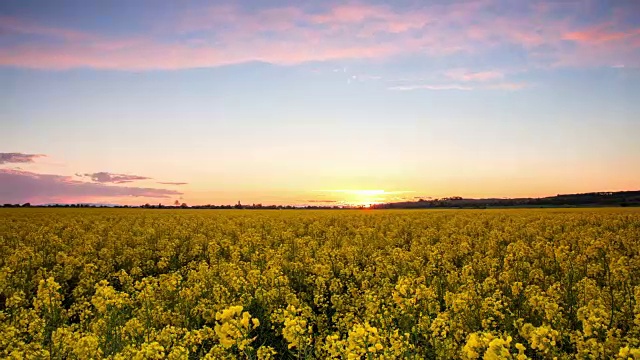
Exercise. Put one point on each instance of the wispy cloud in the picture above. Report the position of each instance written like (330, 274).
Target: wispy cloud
(27, 27)
(510, 86)
(601, 33)
(171, 183)
(431, 87)
(480, 76)
(15, 158)
(106, 177)
(23, 186)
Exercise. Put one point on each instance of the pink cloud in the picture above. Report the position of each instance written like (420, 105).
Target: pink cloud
(227, 34)
(601, 45)
(350, 13)
(151, 55)
(21, 26)
(18, 186)
(281, 35)
(375, 17)
(599, 34)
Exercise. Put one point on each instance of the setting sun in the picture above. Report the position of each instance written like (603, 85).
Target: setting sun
(365, 197)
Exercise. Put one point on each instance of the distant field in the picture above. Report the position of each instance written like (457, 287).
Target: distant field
(305, 284)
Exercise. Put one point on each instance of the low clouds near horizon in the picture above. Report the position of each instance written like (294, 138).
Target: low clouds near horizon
(18, 158)
(107, 177)
(20, 186)
(17, 186)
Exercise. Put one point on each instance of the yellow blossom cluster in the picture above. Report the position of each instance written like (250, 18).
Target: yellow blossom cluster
(234, 327)
(295, 329)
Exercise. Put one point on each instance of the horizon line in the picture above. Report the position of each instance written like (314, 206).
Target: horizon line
(317, 203)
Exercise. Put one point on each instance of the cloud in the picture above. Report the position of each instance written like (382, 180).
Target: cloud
(11, 158)
(605, 44)
(465, 75)
(374, 18)
(230, 34)
(106, 177)
(600, 33)
(23, 186)
(171, 183)
(512, 86)
(431, 87)
(26, 27)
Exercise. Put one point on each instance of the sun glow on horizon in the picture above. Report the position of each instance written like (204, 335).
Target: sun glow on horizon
(366, 197)
(367, 192)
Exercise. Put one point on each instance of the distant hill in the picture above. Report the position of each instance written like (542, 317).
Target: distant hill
(619, 198)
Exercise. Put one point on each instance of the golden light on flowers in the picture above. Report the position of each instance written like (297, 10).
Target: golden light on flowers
(437, 284)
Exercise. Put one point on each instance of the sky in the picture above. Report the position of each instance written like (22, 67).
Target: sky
(325, 102)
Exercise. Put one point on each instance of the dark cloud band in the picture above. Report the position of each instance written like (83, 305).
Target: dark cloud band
(106, 177)
(18, 158)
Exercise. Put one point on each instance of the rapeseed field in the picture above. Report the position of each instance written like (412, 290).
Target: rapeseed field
(242, 284)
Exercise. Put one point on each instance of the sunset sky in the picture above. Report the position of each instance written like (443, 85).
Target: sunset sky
(300, 102)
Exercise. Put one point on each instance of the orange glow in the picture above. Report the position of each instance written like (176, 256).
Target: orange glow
(366, 197)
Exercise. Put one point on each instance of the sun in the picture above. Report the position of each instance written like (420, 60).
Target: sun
(366, 192)
(364, 197)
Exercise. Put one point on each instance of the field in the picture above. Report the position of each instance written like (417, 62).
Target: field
(435, 284)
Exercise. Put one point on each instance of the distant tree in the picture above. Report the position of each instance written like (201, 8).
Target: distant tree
(176, 203)
(184, 205)
(26, 204)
